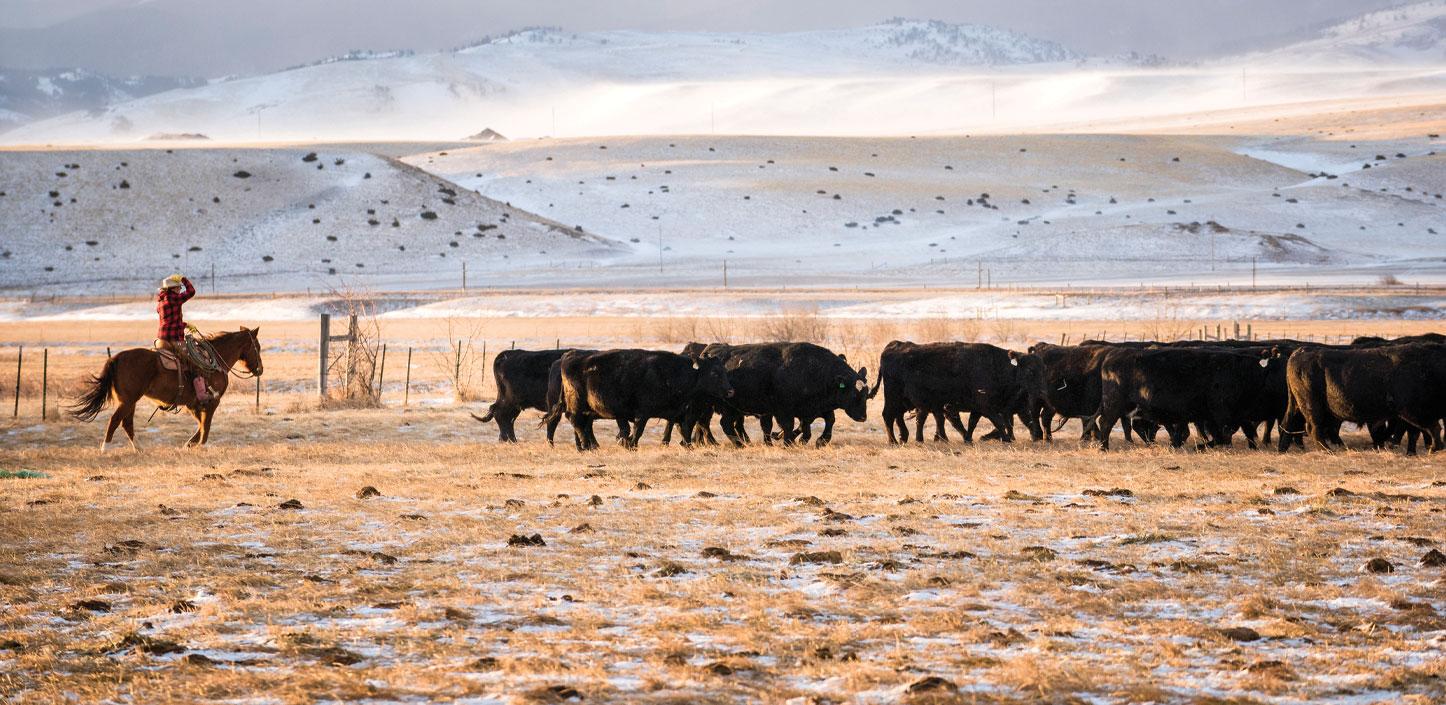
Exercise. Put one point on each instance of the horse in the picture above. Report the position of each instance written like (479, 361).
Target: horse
(135, 373)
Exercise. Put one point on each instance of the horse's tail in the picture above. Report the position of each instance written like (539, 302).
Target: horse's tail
(97, 394)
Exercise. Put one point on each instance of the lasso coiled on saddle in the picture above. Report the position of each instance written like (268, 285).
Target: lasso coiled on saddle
(203, 355)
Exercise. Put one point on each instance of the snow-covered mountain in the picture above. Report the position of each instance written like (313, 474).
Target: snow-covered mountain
(32, 95)
(519, 81)
(1408, 34)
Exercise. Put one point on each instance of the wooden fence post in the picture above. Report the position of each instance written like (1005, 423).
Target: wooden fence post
(457, 372)
(325, 344)
(407, 386)
(382, 374)
(19, 359)
(44, 381)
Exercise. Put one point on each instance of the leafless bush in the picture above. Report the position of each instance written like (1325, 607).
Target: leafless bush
(1167, 325)
(796, 324)
(462, 363)
(1003, 330)
(718, 330)
(675, 330)
(353, 367)
(1389, 280)
(881, 331)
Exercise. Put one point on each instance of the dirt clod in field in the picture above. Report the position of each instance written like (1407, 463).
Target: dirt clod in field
(1378, 565)
(1432, 559)
(831, 515)
(932, 684)
(368, 492)
(1340, 492)
(554, 693)
(1038, 553)
(145, 645)
(668, 569)
(1286, 491)
(181, 606)
(333, 656)
(484, 663)
(833, 531)
(514, 504)
(705, 494)
(415, 517)
(1020, 496)
(722, 554)
(1113, 492)
(816, 557)
(199, 660)
(125, 547)
(718, 668)
(213, 477)
(1271, 668)
(583, 528)
(642, 486)
(523, 541)
(290, 504)
(1245, 634)
(810, 501)
(92, 605)
(595, 501)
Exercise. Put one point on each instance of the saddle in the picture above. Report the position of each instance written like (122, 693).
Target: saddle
(168, 360)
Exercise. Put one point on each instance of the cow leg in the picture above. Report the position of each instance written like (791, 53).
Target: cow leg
(805, 430)
(958, 423)
(827, 434)
(637, 435)
(889, 429)
(920, 417)
(1430, 427)
(969, 429)
(668, 431)
(785, 424)
(1046, 422)
(1004, 426)
(732, 424)
(580, 429)
(765, 426)
(940, 435)
(1250, 435)
(506, 424)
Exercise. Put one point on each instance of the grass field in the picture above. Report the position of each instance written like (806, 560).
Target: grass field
(857, 573)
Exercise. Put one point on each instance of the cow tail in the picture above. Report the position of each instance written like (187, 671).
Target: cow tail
(491, 412)
(874, 391)
(552, 415)
(97, 394)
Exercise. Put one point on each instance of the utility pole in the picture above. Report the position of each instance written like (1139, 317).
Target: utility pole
(725, 274)
(660, 248)
(1252, 272)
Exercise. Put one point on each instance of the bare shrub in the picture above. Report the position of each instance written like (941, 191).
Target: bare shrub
(1389, 280)
(795, 324)
(881, 331)
(352, 369)
(461, 362)
(936, 330)
(675, 330)
(718, 330)
(1167, 325)
(1003, 330)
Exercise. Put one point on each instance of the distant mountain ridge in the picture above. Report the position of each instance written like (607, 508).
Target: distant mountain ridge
(27, 95)
(1412, 33)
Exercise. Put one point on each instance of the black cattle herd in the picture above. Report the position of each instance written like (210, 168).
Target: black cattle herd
(1396, 389)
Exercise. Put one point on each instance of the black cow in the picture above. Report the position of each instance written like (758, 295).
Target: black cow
(635, 386)
(1368, 386)
(521, 377)
(944, 379)
(790, 383)
(1217, 390)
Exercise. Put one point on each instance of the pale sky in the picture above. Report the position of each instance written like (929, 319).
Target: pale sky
(215, 37)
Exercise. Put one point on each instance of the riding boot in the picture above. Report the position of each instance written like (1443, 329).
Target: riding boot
(203, 394)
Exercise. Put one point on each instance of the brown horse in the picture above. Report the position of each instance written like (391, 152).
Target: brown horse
(137, 372)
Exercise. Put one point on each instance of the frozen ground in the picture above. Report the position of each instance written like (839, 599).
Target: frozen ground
(110, 221)
(858, 573)
(1031, 209)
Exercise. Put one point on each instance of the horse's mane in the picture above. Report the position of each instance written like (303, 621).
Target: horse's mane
(214, 337)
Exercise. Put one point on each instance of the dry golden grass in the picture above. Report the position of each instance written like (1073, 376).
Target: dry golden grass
(986, 566)
(174, 576)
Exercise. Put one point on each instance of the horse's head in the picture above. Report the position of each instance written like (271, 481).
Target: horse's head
(251, 350)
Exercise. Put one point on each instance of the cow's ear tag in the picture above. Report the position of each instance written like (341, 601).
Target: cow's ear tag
(695, 364)
(1264, 362)
(1014, 361)
(859, 385)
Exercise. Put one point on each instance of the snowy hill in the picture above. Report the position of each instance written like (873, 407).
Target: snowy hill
(1408, 34)
(26, 96)
(540, 81)
(104, 221)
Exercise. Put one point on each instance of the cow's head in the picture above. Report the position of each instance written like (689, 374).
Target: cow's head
(851, 393)
(1030, 374)
(712, 378)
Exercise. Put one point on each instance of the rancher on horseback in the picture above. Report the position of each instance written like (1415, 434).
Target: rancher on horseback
(177, 290)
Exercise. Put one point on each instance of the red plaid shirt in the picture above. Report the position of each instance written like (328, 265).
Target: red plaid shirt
(168, 305)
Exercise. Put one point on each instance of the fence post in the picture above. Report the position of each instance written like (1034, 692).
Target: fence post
(457, 372)
(19, 359)
(44, 380)
(407, 386)
(351, 337)
(258, 395)
(382, 374)
(324, 353)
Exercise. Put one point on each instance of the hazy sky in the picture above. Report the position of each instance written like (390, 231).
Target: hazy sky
(212, 37)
